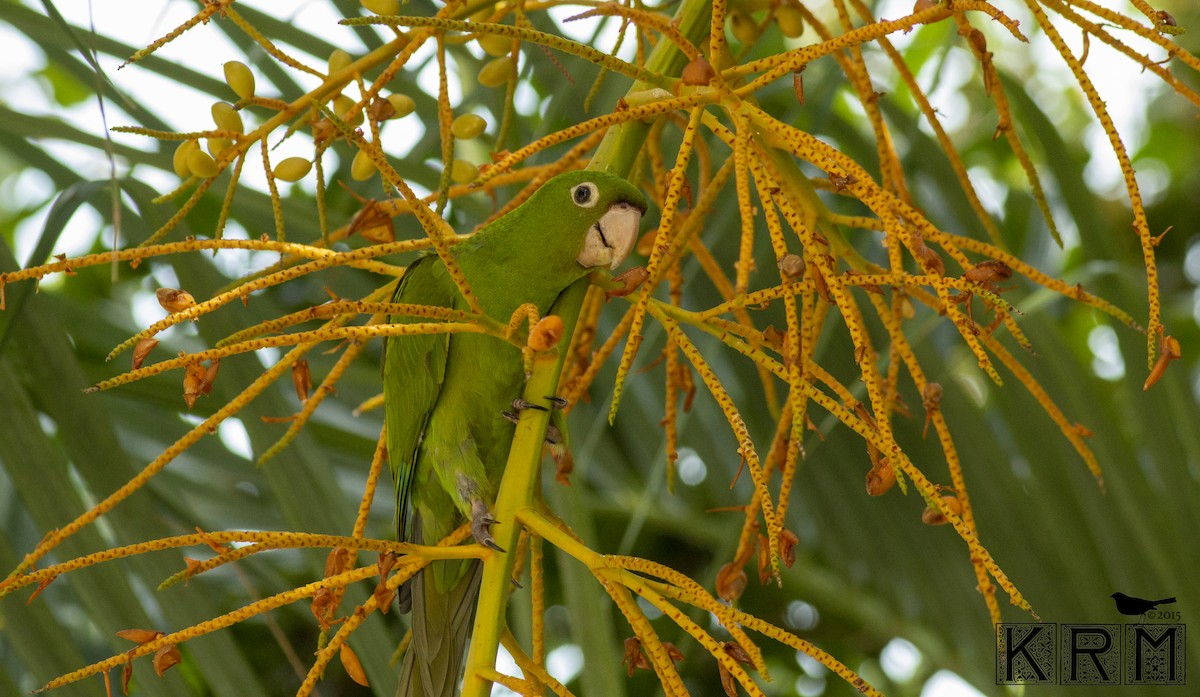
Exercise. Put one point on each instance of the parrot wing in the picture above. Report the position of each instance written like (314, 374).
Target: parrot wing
(414, 369)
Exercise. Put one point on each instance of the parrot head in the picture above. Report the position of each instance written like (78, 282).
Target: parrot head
(605, 208)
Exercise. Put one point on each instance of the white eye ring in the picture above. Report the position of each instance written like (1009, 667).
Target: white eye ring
(585, 195)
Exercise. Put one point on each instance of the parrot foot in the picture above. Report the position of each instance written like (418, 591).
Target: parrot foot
(481, 522)
(557, 402)
(519, 405)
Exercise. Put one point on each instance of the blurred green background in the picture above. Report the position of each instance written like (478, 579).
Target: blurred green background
(892, 598)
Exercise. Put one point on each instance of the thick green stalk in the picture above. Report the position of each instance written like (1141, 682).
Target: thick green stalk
(616, 154)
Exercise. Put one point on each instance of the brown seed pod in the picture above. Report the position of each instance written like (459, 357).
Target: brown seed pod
(881, 478)
(932, 516)
(931, 261)
(174, 300)
(792, 266)
(546, 333)
(301, 379)
(698, 72)
(352, 665)
(731, 582)
(143, 349)
(988, 272)
(634, 657)
(139, 636)
(165, 658)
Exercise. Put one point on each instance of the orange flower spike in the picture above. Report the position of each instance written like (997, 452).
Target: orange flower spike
(1169, 350)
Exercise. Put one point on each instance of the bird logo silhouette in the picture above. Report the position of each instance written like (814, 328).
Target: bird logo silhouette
(1129, 605)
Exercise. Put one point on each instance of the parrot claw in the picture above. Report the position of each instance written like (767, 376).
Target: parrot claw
(557, 402)
(521, 405)
(481, 521)
(509, 416)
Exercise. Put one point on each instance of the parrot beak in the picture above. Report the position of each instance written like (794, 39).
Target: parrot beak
(611, 238)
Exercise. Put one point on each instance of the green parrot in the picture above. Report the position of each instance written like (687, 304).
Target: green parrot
(447, 396)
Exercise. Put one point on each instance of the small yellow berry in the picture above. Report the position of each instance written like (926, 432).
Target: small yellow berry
(239, 77)
(180, 161)
(292, 169)
(362, 168)
(382, 7)
(338, 61)
(201, 164)
(463, 172)
(468, 126)
(227, 118)
(495, 72)
(790, 20)
(403, 104)
(495, 45)
(216, 146)
(342, 106)
(744, 29)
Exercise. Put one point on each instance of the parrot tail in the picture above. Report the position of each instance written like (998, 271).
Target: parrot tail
(441, 623)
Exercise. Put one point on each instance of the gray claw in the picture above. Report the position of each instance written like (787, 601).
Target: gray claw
(481, 520)
(521, 405)
(509, 416)
(557, 402)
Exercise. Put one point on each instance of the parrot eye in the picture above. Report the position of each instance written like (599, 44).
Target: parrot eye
(585, 195)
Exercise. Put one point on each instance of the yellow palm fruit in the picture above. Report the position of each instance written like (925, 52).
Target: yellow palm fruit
(790, 20)
(338, 60)
(495, 45)
(382, 7)
(227, 118)
(292, 169)
(403, 104)
(180, 160)
(468, 126)
(216, 146)
(743, 27)
(342, 106)
(495, 72)
(362, 168)
(201, 164)
(463, 172)
(239, 77)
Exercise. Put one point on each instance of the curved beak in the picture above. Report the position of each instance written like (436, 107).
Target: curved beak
(611, 238)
